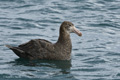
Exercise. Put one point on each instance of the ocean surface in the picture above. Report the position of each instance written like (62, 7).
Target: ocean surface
(95, 55)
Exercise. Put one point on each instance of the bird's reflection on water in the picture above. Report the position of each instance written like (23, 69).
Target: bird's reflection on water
(64, 65)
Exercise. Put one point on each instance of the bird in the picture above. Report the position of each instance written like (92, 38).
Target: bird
(43, 49)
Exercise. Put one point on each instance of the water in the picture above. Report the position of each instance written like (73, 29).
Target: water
(95, 55)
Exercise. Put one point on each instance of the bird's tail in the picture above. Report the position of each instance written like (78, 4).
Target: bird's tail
(19, 52)
(9, 46)
(16, 50)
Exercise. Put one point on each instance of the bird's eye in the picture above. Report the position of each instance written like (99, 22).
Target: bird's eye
(69, 24)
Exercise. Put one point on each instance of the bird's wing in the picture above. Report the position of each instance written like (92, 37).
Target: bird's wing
(38, 48)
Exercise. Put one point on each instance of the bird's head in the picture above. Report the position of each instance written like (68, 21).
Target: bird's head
(70, 28)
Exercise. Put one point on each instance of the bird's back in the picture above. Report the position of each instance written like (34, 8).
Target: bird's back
(34, 49)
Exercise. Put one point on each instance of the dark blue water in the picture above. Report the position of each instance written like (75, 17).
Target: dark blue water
(95, 55)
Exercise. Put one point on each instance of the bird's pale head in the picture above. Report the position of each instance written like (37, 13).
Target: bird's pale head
(70, 28)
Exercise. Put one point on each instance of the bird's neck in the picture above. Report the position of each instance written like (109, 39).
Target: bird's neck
(63, 45)
(64, 38)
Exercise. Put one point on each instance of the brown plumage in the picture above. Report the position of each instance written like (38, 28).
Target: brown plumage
(43, 49)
